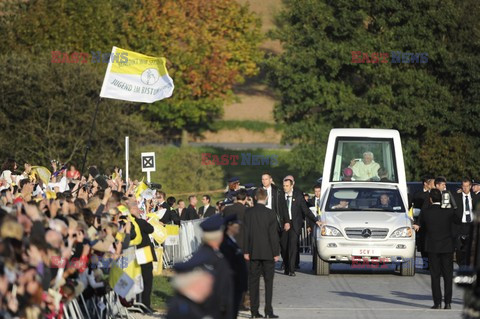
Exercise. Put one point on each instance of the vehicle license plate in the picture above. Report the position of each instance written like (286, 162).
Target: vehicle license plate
(366, 252)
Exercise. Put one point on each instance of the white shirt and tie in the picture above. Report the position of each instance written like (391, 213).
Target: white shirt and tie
(288, 198)
(268, 204)
(317, 205)
(467, 208)
(205, 210)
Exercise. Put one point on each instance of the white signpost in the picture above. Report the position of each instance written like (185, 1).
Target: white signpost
(148, 163)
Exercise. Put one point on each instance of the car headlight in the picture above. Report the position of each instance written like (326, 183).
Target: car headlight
(403, 232)
(330, 231)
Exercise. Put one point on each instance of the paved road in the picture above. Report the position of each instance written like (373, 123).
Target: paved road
(356, 294)
(353, 294)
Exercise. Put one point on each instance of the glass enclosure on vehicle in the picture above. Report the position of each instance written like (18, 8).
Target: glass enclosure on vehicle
(364, 159)
(365, 199)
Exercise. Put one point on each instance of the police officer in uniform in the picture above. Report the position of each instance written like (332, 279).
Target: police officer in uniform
(220, 303)
(193, 284)
(234, 255)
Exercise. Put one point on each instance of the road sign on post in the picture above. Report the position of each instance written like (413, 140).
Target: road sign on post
(148, 163)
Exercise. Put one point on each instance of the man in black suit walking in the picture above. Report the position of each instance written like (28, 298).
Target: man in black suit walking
(437, 223)
(206, 210)
(190, 212)
(262, 249)
(238, 209)
(294, 211)
(272, 197)
(466, 202)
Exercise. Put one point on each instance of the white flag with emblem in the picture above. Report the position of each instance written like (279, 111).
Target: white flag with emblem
(136, 77)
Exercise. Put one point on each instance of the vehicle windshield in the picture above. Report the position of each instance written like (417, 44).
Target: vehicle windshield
(364, 159)
(365, 199)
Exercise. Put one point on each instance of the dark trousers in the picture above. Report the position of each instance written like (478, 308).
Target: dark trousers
(441, 265)
(147, 275)
(258, 268)
(289, 244)
(463, 244)
(237, 299)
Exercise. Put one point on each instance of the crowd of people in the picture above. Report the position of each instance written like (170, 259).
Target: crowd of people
(61, 234)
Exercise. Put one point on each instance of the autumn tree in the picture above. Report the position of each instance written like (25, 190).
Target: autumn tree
(210, 45)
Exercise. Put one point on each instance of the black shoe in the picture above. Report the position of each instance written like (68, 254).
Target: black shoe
(448, 306)
(292, 274)
(286, 272)
(256, 315)
(439, 306)
(271, 316)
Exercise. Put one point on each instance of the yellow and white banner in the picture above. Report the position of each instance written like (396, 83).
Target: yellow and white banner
(136, 77)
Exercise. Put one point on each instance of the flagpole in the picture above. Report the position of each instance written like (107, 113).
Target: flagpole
(127, 150)
(89, 142)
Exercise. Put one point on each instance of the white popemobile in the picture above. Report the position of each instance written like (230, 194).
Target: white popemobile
(364, 204)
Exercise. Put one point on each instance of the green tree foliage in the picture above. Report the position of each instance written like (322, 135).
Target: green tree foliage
(210, 45)
(46, 113)
(434, 105)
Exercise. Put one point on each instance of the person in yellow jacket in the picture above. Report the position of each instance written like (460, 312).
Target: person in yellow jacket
(142, 228)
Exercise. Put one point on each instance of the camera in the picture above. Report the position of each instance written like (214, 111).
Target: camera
(155, 185)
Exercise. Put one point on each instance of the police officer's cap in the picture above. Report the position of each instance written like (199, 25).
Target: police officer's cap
(212, 223)
(231, 219)
(234, 180)
(198, 261)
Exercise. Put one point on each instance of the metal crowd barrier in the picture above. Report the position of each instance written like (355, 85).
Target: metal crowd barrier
(180, 249)
(305, 240)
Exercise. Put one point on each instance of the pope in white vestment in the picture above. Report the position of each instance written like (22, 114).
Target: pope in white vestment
(365, 170)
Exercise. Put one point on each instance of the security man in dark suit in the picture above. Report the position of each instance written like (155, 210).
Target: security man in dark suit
(272, 201)
(262, 249)
(422, 199)
(206, 210)
(294, 211)
(193, 284)
(437, 223)
(234, 256)
(238, 209)
(466, 203)
(220, 304)
(190, 212)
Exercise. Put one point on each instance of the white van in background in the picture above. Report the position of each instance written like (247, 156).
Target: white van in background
(364, 205)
